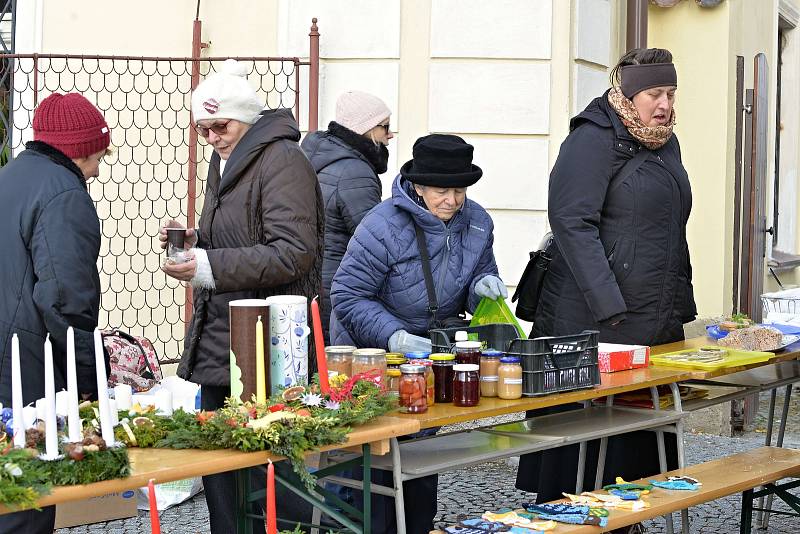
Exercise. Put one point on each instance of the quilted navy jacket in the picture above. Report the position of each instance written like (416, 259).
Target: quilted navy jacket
(379, 287)
(350, 188)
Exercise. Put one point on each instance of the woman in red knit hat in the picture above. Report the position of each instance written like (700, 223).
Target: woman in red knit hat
(48, 268)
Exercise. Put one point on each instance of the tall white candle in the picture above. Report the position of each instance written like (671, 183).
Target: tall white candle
(106, 428)
(50, 422)
(112, 409)
(16, 394)
(75, 432)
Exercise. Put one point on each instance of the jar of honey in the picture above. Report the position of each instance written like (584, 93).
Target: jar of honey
(509, 385)
(490, 361)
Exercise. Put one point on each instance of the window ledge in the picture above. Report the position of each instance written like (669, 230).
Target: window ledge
(783, 260)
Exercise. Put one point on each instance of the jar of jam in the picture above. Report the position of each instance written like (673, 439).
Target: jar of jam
(443, 376)
(466, 384)
(394, 360)
(366, 360)
(412, 388)
(510, 374)
(421, 358)
(490, 361)
(340, 360)
(468, 352)
(393, 381)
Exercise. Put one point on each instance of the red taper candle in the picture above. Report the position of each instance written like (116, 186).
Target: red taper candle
(272, 518)
(319, 345)
(155, 524)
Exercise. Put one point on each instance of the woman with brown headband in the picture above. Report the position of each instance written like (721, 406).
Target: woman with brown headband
(619, 200)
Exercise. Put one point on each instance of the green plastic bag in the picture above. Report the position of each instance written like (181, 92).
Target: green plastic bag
(495, 311)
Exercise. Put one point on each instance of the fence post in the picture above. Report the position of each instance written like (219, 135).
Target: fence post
(313, 78)
(35, 80)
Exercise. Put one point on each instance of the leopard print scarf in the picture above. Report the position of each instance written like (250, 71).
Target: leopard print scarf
(652, 137)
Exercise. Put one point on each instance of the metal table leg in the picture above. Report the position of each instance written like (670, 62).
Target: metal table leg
(662, 455)
(747, 512)
(781, 432)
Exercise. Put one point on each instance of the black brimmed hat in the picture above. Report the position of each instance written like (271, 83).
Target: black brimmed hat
(441, 161)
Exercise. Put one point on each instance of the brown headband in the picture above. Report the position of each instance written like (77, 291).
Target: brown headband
(637, 78)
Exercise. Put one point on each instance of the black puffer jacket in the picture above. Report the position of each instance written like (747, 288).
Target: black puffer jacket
(262, 226)
(346, 167)
(50, 241)
(622, 251)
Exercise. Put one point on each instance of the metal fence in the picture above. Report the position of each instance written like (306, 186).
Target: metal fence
(156, 172)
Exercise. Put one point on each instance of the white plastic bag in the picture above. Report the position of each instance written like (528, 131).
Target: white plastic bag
(170, 493)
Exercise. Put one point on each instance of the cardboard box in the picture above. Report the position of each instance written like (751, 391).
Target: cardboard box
(612, 357)
(104, 508)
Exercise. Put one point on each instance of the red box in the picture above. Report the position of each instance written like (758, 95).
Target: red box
(613, 357)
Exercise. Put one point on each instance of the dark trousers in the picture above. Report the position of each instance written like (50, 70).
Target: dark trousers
(419, 496)
(29, 522)
(220, 489)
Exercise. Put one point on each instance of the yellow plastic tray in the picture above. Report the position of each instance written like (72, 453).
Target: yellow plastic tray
(732, 358)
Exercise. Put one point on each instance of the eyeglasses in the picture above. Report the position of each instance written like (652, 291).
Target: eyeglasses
(385, 127)
(219, 128)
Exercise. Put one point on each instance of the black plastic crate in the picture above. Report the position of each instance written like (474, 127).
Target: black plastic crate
(495, 336)
(554, 364)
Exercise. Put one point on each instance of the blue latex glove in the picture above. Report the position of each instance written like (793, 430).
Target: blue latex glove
(401, 341)
(491, 287)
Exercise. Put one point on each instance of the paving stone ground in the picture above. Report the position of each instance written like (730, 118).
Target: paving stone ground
(472, 491)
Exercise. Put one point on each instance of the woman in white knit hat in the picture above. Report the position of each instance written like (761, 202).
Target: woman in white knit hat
(260, 234)
(348, 158)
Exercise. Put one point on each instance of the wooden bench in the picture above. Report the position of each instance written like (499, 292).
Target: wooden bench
(739, 473)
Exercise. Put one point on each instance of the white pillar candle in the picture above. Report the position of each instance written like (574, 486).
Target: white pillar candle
(29, 416)
(163, 400)
(112, 408)
(106, 430)
(50, 421)
(123, 394)
(75, 431)
(62, 403)
(41, 410)
(16, 394)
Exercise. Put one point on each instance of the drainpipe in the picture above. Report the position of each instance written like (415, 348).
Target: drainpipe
(636, 36)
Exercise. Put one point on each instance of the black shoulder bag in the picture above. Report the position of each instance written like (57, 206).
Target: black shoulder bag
(530, 284)
(433, 303)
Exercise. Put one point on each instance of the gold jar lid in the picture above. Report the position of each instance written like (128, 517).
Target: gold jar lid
(442, 357)
(369, 352)
(393, 372)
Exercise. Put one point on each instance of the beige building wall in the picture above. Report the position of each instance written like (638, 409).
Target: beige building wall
(506, 77)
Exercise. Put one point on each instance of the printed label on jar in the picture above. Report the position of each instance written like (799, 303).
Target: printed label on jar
(512, 381)
(490, 378)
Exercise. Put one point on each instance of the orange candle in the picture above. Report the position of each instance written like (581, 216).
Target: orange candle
(155, 524)
(319, 345)
(272, 519)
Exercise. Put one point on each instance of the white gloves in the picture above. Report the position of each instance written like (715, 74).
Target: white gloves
(491, 287)
(402, 342)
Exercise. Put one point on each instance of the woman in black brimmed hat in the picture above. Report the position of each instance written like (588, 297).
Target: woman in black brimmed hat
(379, 292)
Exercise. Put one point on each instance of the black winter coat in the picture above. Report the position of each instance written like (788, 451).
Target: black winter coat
(50, 241)
(262, 227)
(621, 248)
(350, 188)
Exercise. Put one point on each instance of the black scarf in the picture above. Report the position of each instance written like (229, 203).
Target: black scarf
(57, 157)
(377, 156)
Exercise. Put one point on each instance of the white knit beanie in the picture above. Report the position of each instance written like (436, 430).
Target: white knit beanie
(360, 112)
(227, 95)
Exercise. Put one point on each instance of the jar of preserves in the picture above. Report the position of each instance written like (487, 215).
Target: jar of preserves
(468, 352)
(466, 384)
(394, 360)
(490, 361)
(340, 360)
(366, 360)
(510, 374)
(443, 376)
(393, 381)
(412, 388)
(430, 380)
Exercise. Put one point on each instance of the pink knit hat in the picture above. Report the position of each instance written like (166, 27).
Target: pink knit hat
(360, 112)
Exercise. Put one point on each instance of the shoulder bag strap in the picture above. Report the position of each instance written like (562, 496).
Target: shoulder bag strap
(433, 304)
(629, 168)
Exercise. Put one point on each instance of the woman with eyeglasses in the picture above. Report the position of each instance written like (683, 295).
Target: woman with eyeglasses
(348, 158)
(260, 234)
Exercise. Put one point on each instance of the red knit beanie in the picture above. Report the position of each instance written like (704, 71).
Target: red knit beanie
(71, 124)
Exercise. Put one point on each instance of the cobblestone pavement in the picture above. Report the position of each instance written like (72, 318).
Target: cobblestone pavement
(473, 490)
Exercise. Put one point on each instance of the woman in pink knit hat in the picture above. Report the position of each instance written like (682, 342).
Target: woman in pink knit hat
(348, 158)
(48, 268)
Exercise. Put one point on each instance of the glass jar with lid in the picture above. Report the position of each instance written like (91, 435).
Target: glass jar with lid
(509, 385)
(340, 360)
(393, 381)
(468, 352)
(394, 360)
(490, 361)
(466, 385)
(443, 376)
(366, 360)
(421, 358)
(412, 389)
